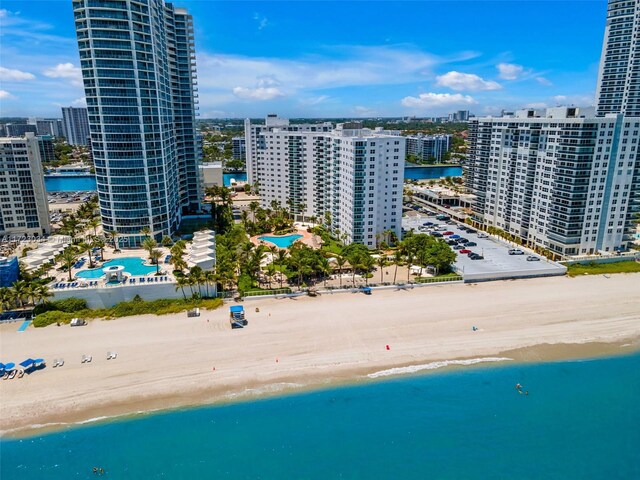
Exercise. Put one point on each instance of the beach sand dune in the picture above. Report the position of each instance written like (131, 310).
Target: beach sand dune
(305, 342)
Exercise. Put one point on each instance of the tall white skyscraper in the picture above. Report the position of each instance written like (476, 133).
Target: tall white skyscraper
(138, 65)
(618, 88)
(352, 175)
(24, 209)
(75, 125)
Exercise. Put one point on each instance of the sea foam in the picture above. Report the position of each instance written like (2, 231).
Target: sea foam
(434, 366)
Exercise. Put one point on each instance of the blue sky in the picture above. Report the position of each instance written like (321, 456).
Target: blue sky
(336, 58)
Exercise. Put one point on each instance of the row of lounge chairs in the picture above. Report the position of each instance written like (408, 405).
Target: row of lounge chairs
(148, 280)
(58, 362)
(63, 285)
(13, 374)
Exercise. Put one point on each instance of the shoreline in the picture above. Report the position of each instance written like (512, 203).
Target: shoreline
(306, 344)
(536, 354)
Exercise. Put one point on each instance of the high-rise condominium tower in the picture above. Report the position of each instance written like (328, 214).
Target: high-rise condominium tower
(75, 125)
(619, 75)
(350, 177)
(138, 65)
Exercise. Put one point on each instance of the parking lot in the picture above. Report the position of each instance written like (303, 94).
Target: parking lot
(497, 262)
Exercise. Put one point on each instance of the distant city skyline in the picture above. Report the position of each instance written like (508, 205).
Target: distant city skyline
(324, 59)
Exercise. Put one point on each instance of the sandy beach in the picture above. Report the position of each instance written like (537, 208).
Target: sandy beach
(172, 361)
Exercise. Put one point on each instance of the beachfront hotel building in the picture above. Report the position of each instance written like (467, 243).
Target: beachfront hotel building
(352, 175)
(75, 125)
(24, 210)
(138, 67)
(561, 178)
(428, 147)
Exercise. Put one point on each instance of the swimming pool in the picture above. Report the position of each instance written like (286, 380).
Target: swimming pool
(283, 242)
(132, 265)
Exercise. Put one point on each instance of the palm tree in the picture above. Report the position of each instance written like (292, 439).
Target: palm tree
(181, 282)
(94, 223)
(100, 243)
(41, 293)
(145, 231)
(113, 235)
(155, 255)
(6, 297)
(253, 207)
(210, 278)
(340, 261)
(409, 262)
(397, 258)
(149, 244)
(196, 275)
(381, 262)
(166, 241)
(270, 272)
(280, 259)
(69, 258)
(20, 288)
(70, 225)
(87, 246)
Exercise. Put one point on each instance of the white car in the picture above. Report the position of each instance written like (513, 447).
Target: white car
(482, 235)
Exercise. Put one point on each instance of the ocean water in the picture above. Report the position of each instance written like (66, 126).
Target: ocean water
(581, 420)
(431, 173)
(70, 183)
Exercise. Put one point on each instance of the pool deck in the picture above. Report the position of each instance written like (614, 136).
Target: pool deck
(307, 238)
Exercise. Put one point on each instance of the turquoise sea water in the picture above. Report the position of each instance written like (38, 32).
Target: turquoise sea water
(132, 265)
(74, 183)
(283, 242)
(580, 421)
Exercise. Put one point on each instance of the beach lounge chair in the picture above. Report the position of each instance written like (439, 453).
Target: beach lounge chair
(86, 358)
(55, 362)
(61, 362)
(142, 280)
(111, 355)
(21, 374)
(12, 374)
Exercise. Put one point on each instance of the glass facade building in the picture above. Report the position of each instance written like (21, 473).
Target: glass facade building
(138, 66)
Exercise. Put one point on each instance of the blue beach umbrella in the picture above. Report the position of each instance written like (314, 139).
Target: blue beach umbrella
(27, 363)
(1, 367)
(38, 361)
(9, 366)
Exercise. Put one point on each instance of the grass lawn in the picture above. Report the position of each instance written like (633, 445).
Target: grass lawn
(602, 268)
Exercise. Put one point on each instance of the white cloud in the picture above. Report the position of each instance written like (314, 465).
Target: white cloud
(510, 71)
(259, 93)
(536, 105)
(80, 102)
(6, 95)
(362, 111)
(544, 81)
(437, 100)
(466, 81)
(65, 70)
(12, 75)
(313, 100)
(262, 21)
(3, 12)
(560, 98)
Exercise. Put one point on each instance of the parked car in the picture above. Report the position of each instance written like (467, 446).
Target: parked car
(451, 242)
(427, 224)
(458, 247)
(475, 256)
(471, 244)
(482, 235)
(465, 251)
(516, 251)
(448, 232)
(471, 230)
(463, 240)
(436, 234)
(533, 258)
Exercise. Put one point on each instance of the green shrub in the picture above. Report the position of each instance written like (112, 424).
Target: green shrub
(54, 316)
(69, 305)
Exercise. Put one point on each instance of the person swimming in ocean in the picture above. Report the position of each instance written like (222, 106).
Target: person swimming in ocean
(518, 386)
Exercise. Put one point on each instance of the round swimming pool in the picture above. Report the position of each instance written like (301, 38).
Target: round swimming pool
(283, 242)
(132, 265)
